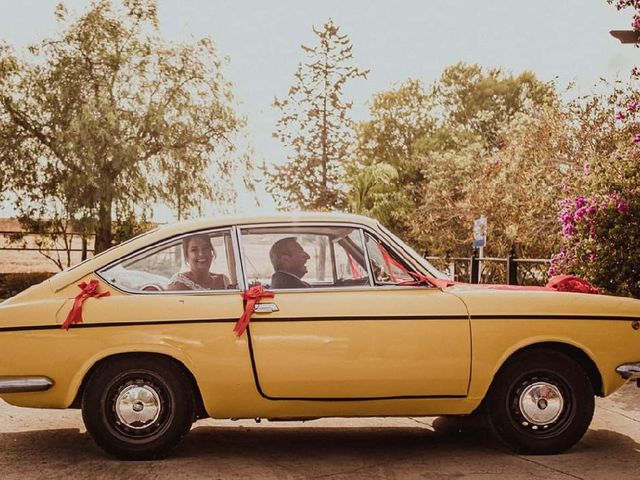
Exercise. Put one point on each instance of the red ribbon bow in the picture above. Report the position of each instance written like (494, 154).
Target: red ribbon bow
(569, 283)
(87, 290)
(251, 296)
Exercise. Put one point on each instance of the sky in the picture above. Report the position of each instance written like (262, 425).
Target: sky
(564, 40)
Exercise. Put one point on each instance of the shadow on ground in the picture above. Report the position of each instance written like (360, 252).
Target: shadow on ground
(454, 450)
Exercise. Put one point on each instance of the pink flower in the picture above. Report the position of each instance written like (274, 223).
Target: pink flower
(623, 207)
(636, 138)
(580, 213)
(621, 116)
(565, 216)
(636, 23)
(613, 196)
(632, 107)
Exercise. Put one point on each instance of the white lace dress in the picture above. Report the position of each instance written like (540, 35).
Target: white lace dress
(182, 278)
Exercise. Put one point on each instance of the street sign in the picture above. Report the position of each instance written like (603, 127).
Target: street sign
(480, 232)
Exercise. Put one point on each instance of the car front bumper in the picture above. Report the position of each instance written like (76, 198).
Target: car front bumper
(630, 371)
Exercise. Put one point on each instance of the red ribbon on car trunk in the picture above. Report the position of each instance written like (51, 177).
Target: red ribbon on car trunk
(87, 290)
(251, 297)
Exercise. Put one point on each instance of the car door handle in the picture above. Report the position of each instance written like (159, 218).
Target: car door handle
(265, 308)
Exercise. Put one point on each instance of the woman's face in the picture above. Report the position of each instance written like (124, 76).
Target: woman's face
(199, 255)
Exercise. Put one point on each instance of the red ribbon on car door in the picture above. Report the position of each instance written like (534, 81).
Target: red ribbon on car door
(87, 290)
(251, 296)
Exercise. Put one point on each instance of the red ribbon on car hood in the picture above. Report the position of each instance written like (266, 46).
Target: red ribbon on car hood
(560, 283)
(569, 283)
(251, 296)
(87, 290)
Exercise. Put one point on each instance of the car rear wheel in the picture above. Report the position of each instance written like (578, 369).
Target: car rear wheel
(138, 408)
(541, 402)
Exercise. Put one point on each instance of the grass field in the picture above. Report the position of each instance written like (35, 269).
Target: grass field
(15, 261)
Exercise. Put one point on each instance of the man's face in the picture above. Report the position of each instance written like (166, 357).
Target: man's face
(295, 259)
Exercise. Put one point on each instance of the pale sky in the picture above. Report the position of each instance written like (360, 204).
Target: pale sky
(566, 39)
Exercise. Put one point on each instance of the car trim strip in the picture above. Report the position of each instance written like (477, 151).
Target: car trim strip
(327, 319)
(25, 384)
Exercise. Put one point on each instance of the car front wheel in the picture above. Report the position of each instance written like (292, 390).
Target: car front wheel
(138, 408)
(541, 402)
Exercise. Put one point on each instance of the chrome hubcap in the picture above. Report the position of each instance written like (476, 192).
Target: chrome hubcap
(541, 403)
(138, 406)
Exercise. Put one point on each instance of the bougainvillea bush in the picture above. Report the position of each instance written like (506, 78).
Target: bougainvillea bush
(601, 241)
(600, 217)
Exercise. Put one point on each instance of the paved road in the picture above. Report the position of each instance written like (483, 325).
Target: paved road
(45, 444)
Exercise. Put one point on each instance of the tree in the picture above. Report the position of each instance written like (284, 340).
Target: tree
(315, 124)
(398, 119)
(109, 117)
(372, 192)
(481, 101)
(443, 140)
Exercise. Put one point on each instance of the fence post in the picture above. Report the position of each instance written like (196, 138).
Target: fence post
(512, 267)
(84, 247)
(475, 267)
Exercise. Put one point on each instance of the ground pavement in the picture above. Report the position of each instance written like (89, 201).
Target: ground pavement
(47, 444)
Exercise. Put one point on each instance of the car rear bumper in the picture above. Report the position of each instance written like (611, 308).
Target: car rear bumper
(25, 384)
(629, 371)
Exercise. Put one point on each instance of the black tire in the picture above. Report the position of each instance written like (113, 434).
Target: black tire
(138, 408)
(541, 402)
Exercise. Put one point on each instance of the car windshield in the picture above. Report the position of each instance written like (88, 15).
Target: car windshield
(433, 271)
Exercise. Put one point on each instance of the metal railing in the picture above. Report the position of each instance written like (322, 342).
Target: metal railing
(509, 270)
(79, 242)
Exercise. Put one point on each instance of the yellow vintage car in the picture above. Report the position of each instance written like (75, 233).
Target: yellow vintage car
(357, 325)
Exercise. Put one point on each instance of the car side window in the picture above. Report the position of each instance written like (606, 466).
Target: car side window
(386, 269)
(292, 257)
(195, 262)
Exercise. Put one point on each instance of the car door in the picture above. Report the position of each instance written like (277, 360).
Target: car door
(159, 309)
(354, 332)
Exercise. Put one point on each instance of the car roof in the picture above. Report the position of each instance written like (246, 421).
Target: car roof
(281, 217)
(72, 275)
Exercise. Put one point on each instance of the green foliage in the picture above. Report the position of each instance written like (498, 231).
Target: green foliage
(107, 113)
(448, 144)
(482, 101)
(518, 185)
(441, 219)
(399, 118)
(315, 125)
(372, 193)
(128, 224)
